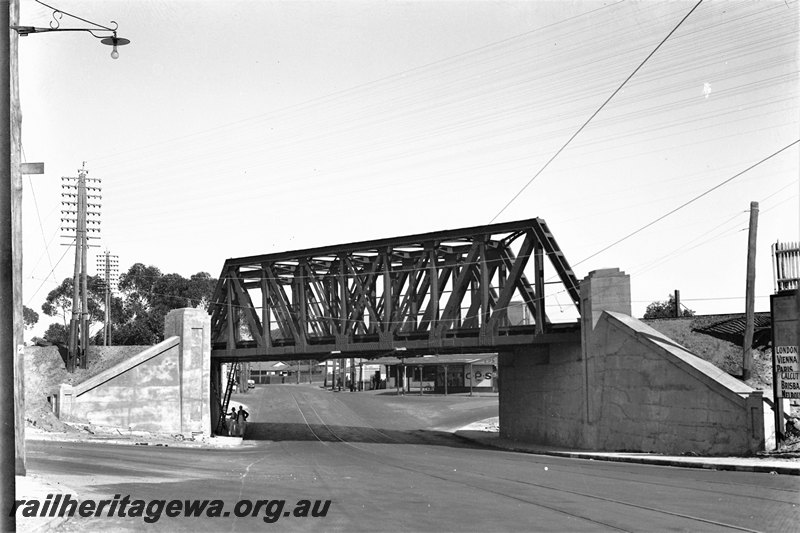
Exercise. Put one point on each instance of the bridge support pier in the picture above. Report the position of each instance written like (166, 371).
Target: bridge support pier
(624, 386)
(215, 398)
(193, 326)
(608, 289)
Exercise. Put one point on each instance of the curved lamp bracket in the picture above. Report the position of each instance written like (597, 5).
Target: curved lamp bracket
(107, 35)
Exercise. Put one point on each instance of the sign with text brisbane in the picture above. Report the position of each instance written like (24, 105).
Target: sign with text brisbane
(787, 370)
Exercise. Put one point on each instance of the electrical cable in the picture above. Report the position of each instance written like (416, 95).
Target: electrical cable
(595, 113)
(41, 231)
(394, 76)
(48, 274)
(688, 202)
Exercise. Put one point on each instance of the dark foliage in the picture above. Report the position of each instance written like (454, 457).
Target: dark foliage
(666, 309)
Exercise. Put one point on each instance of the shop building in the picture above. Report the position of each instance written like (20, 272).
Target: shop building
(440, 374)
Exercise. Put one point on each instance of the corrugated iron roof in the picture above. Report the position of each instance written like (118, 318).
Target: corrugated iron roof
(732, 329)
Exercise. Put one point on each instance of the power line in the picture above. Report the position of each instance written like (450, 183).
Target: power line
(703, 299)
(704, 45)
(46, 278)
(353, 89)
(595, 113)
(662, 217)
(674, 253)
(41, 228)
(424, 95)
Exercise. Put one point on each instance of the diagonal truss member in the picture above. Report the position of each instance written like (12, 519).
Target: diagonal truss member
(435, 292)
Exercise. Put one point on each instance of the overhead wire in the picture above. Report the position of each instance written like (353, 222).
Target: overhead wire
(583, 126)
(47, 277)
(327, 98)
(421, 135)
(640, 229)
(693, 244)
(683, 247)
(426, 96)
(38, 218)
(231, 192)
(41, 231)
(688, 202)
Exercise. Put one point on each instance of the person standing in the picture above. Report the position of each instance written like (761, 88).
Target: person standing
(241, 421)
(233, 428)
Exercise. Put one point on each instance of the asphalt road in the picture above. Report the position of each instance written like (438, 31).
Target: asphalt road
(386, 463)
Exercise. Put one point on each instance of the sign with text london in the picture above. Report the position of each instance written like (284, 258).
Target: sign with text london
(788, 372)
(786, 363)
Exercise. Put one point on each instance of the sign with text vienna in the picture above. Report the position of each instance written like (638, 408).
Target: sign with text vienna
(788, 372)
(786, 363)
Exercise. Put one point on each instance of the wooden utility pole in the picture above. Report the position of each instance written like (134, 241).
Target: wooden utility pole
(12, 428)
(75, 322)
(79, 323)
(84, 360)
(7, 278)
(108, 270)
(677, 303)
(747, 345)
(107, 325)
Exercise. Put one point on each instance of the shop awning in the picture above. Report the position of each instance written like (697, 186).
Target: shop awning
(437, 360)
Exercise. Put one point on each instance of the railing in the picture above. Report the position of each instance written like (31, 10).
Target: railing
(786, 265)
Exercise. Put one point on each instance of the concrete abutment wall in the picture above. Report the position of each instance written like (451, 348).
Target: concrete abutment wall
(624, 386)
(164, 389)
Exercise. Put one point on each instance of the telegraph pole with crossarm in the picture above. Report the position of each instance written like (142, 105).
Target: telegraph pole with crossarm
(80, 217)
(108, 271)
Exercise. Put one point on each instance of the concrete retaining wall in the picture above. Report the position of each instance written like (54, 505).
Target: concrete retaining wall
(650, 394)
(141, 393)
(625, 386)
(164, 389)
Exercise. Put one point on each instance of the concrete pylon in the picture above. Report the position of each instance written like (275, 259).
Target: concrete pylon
(607, 289)
(193, 326)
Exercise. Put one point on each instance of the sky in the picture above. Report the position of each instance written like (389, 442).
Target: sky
(228, 129)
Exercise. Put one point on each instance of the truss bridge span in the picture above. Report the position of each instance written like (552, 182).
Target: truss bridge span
(467, 290)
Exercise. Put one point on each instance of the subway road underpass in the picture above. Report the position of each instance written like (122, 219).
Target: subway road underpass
(391, 463)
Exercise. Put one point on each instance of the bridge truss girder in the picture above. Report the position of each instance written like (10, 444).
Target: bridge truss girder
(447, 291)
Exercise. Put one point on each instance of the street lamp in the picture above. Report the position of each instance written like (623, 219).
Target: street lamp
(97, 31)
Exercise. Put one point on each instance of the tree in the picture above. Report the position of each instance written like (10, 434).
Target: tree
(29, 317)
(149, 295)
(665, 309)
(201, 289)
(59, 300)
(137, 316)
(57, 334)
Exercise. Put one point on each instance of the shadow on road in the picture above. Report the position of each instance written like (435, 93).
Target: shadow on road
(326, 433)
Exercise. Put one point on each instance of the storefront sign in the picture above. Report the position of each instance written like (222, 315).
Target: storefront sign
(481, 376)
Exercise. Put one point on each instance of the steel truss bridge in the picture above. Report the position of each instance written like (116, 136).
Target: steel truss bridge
(442, 292)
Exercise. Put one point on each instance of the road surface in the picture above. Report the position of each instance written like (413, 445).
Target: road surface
(387, 463)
